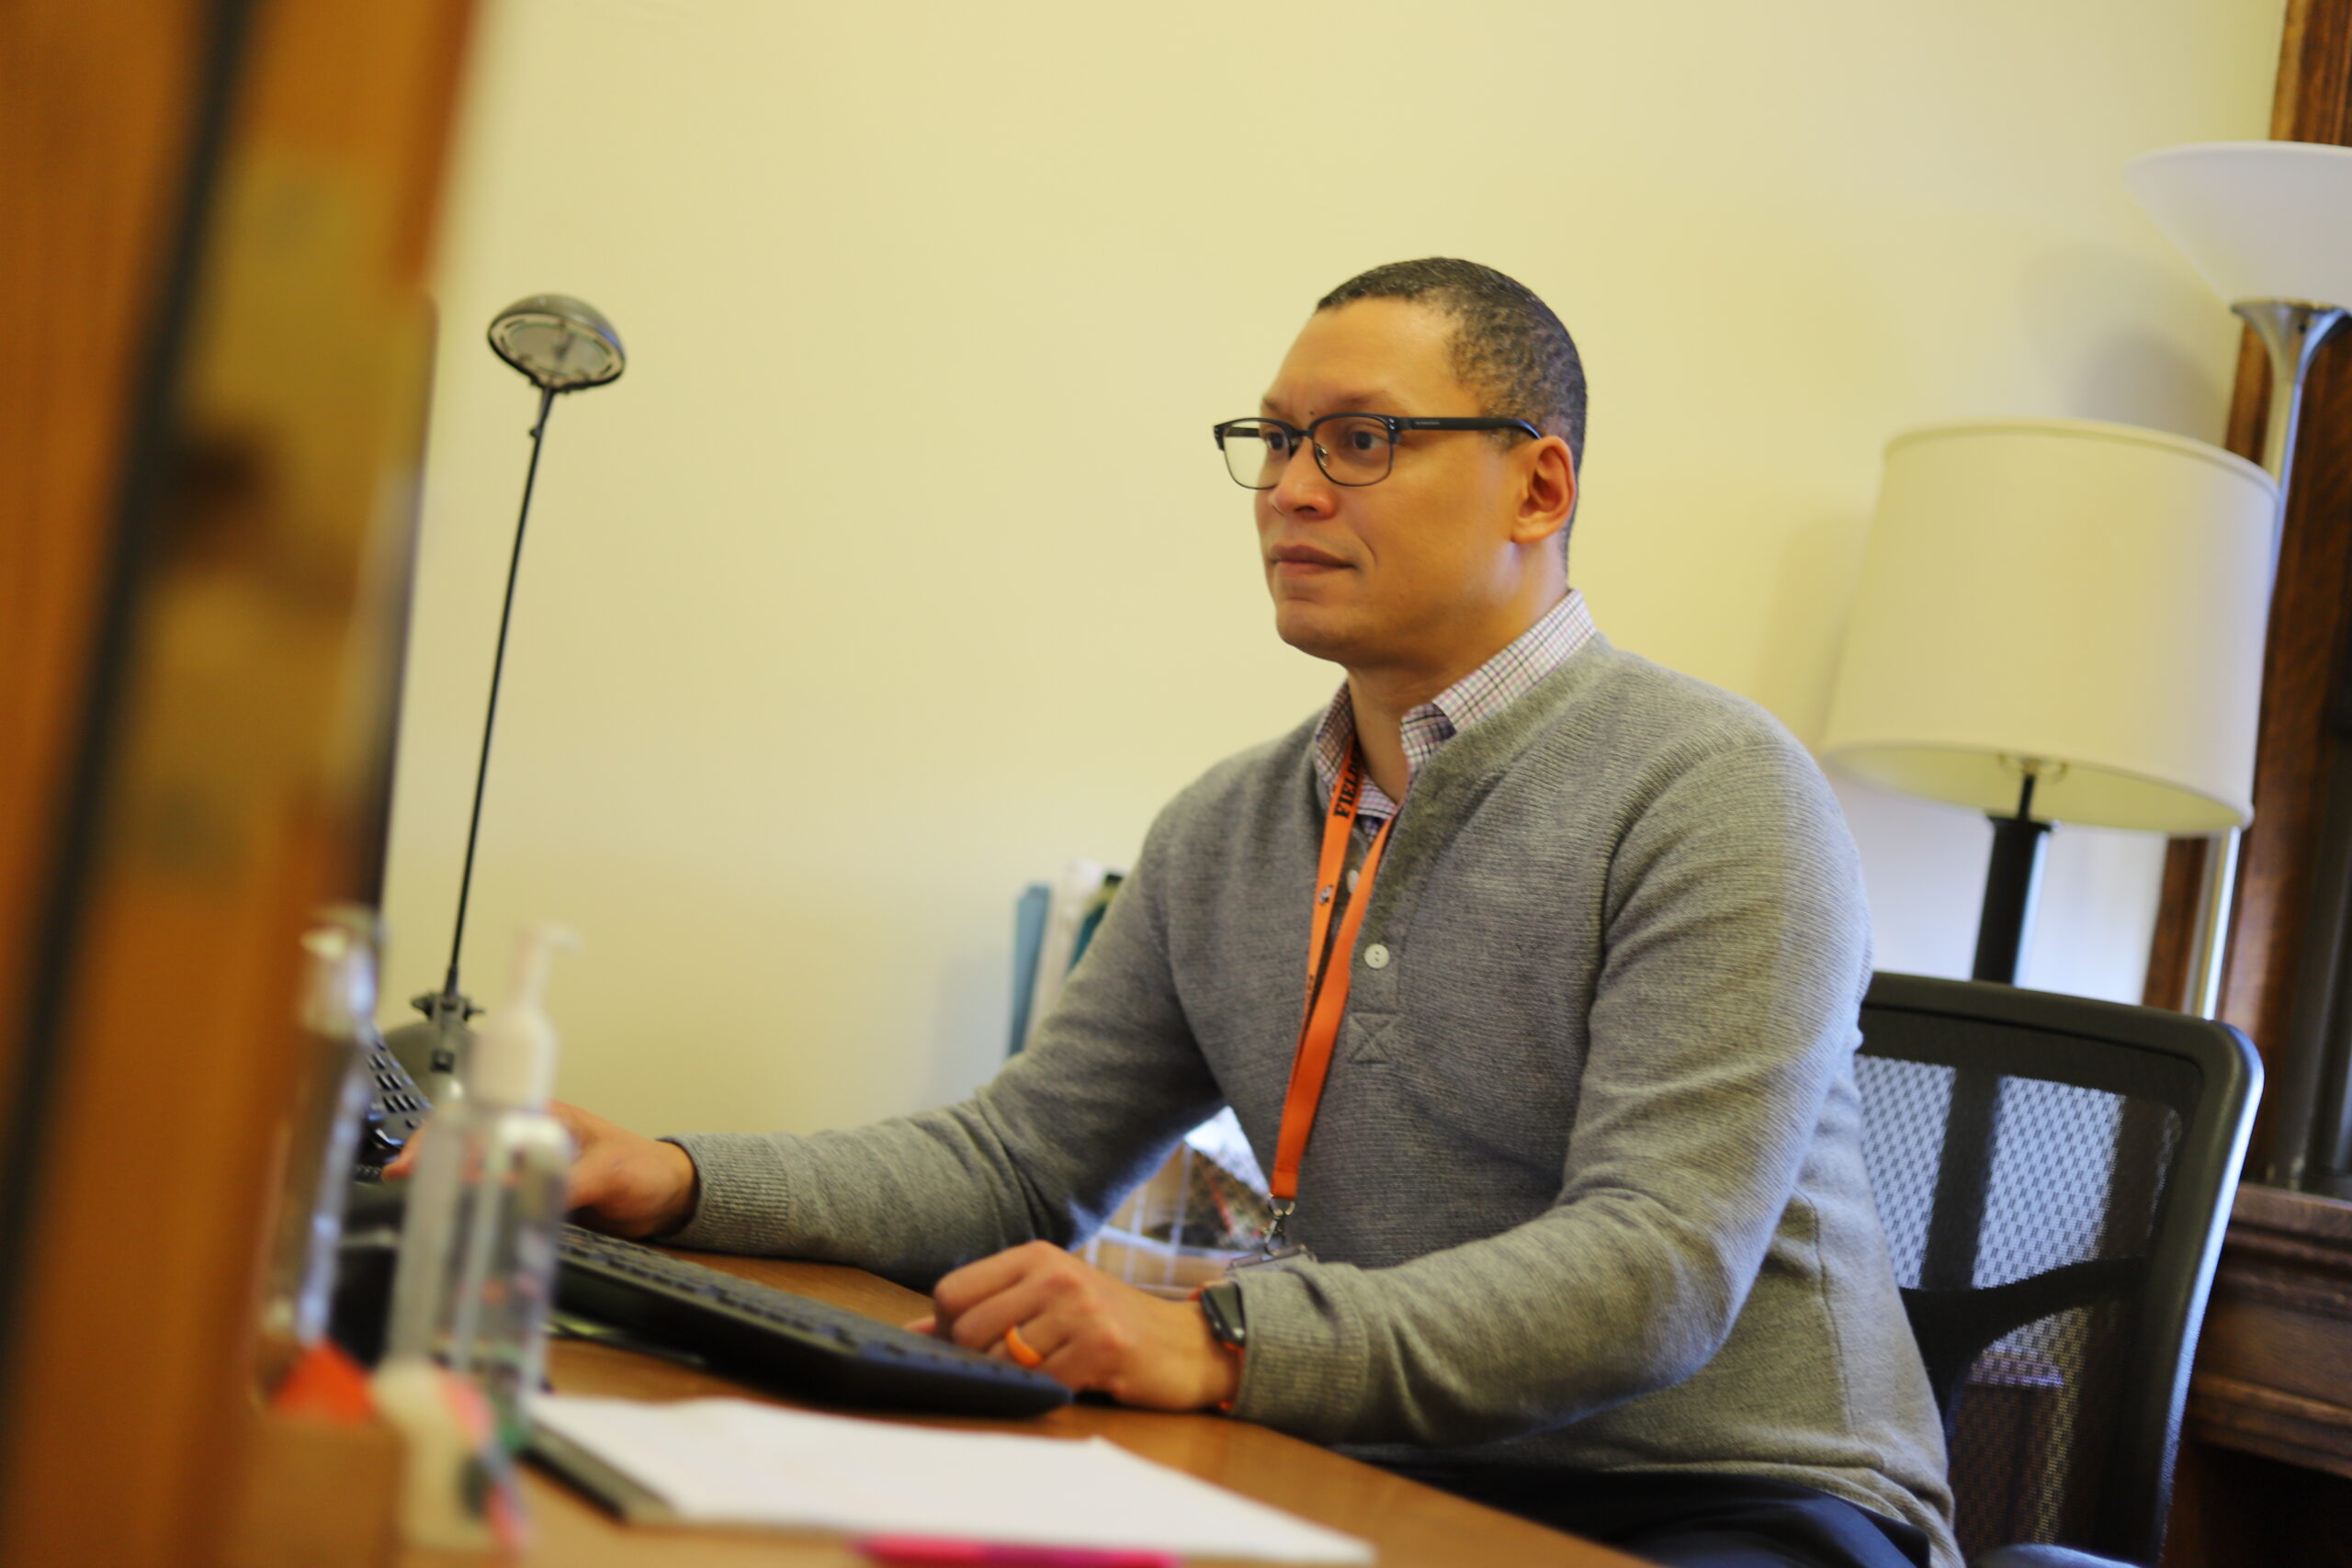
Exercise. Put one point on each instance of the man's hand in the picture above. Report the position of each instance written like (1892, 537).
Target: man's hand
(620, 1181)
(1094, 1331)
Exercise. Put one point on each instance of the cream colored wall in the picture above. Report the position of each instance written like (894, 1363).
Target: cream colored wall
(899, 567)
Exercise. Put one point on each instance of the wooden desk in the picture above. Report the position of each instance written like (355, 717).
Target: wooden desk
(1411, 1526)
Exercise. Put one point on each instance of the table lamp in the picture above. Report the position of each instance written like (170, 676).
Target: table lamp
(2058, 620)
(560, 344)
(2270, 225)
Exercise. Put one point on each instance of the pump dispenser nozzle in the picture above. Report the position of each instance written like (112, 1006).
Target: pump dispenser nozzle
(514, 1046)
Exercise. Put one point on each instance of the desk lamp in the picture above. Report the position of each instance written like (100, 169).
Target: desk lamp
(560, 345)
(2270, 225)
(2058, 620)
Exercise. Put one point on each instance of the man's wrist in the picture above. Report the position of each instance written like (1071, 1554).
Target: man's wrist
(1224, 1379)
(680, 1212)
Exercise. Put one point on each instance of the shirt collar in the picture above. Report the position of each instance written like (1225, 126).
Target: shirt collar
(1481, 695)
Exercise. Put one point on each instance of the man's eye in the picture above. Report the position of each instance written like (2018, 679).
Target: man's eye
(1277, 441)
(1364, 439)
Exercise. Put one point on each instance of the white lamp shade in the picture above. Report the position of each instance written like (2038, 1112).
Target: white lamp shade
(2260, 220)
(2089, 596)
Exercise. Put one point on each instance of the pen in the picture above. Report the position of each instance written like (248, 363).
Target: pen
(916, 1549)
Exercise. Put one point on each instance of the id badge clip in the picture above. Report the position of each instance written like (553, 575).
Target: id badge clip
(1272, 1249)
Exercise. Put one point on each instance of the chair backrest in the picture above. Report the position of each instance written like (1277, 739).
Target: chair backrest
(2054, 1174)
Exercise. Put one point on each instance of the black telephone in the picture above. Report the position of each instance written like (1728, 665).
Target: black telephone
(396, 1107)
(373, 1207)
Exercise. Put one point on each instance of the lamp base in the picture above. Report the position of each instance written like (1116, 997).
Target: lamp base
(438, 1051)
(2012, 885)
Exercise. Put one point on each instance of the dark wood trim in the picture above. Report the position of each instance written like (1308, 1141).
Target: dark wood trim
(2168, 950)
(2271, 1377)
(2270, 1418)
(2314, 101)
(95, 184)
(2308, 1433)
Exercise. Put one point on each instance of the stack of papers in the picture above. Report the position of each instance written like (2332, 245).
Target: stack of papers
(729, 1461)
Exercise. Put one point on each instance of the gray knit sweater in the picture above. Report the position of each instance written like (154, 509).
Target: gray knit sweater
(1586, 1187)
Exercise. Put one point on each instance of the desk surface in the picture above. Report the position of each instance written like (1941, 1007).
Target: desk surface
(1411, 1526)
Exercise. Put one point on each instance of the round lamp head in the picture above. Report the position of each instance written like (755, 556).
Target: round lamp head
(559, 343)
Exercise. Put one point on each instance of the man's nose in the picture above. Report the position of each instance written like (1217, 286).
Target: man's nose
(1304, 488)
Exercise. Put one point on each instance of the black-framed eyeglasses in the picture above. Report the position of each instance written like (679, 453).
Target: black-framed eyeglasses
(1351, 448)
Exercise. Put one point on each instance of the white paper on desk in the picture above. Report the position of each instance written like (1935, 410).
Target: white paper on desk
(732, 1461)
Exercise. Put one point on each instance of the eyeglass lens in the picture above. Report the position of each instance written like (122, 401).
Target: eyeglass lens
(1351, 451)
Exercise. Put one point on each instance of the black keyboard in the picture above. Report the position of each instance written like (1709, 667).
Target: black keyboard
(805, 1347)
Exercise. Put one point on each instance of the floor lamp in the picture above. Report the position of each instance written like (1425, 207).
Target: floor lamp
(2058, 621)
(2270, 225)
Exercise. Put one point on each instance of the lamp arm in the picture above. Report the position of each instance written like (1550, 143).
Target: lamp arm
(490, 718)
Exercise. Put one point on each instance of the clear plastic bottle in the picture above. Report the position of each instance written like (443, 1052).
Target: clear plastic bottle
(322, 1132)
(478, 1252)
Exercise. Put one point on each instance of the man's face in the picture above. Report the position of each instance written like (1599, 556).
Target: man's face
(1409, 573)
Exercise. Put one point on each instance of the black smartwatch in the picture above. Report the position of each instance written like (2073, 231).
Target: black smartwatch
(1221, 1305)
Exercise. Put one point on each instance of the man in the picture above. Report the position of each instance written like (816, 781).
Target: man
(1586, 1228)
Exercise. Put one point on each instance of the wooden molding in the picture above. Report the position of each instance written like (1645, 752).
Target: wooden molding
(2308, 1433)
(2272, 1377)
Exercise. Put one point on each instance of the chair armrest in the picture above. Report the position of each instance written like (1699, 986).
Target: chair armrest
(2043, 1557)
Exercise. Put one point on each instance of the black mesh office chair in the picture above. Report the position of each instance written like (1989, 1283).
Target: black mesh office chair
(2054, 1174)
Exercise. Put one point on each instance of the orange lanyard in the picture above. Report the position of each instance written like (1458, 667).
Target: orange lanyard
(1327, 995)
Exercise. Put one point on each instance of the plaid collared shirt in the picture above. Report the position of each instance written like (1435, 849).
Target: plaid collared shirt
(1482, 694)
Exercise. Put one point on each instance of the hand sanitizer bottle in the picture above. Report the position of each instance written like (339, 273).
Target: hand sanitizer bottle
(478, 1254)
(330, 1096)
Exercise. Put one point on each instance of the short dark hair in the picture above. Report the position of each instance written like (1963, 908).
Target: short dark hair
(1507, 346)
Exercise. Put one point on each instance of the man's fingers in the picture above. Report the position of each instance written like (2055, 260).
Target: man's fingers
(1055, 1300)
(975, 1304)
(403, 1164)
(589, 1181)
(1074, 1363)
(983, 1325)
(586, 1126)
(1083, 1329)
(1047, 1342)
(976, 1282)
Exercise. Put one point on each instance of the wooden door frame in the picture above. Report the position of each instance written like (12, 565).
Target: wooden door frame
(221, 216)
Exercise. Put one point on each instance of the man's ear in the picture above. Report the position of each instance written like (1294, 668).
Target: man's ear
(1548, 499)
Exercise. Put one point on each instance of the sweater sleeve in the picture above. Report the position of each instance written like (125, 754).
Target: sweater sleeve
(1045, 1150)
(1736, 949)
